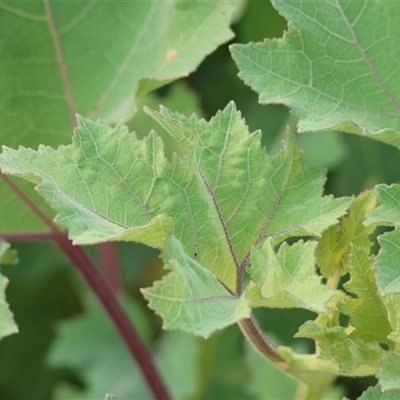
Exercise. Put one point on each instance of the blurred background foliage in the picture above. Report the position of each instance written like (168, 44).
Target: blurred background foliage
(66, 347)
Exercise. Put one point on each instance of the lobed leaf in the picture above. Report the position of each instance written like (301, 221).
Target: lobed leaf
(224, 194)
(353, 357)
(288, 278)
(386, 265)
(368, 313)
(334, 67)
(388, 211)
(191, 298)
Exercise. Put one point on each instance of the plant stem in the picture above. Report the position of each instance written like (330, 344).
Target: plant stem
(259, 340)
(111, 266)
(106, 296)
(96, 282)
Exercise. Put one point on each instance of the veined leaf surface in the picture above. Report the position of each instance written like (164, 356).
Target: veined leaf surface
(336, 67)
(94, 58)
(224, 194)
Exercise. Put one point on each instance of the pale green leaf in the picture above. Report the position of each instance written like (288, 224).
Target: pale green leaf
(375, 393)
(388, 212)
(287, 278)
(353, 357)
(392, 303)
(334, 67)
(386, 265)
(389, 373)
(224, 195)
(333, 246)
(191, 298)
(7, 323)
(93, 58)
(368, 313)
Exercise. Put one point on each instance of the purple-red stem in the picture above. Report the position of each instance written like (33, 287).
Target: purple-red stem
(110, 262)
(101, 289)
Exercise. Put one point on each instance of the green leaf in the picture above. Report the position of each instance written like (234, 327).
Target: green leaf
(392, 303)
(353, 357)
(333, 68)
(224, 195)
(333, 246)
(388, 212)
(388, 374)
(368, 313)
(386, 266)
(191, 298)
(7, 323)
(375, 393)
(93, 58)
(288, 278)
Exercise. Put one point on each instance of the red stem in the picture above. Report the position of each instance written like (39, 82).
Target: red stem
(111, 267)
(82, 262)
(103, 292)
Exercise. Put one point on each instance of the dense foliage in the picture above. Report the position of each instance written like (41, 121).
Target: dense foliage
(189, 210)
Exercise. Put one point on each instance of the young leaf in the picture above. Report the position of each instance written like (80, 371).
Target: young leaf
(334, 67)
(353, 357)
(368, 313)
(224, 195)
(7, 323)
(191, 298)
(333, 246)
(388, 374)
(286, 279)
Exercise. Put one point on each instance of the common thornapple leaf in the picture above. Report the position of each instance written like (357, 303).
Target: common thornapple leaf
(286, 279)
(335, 67)
(191, 298)
(7, 323)
(224, 195)
(334, 244)
(94, 58)
(368, 313)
